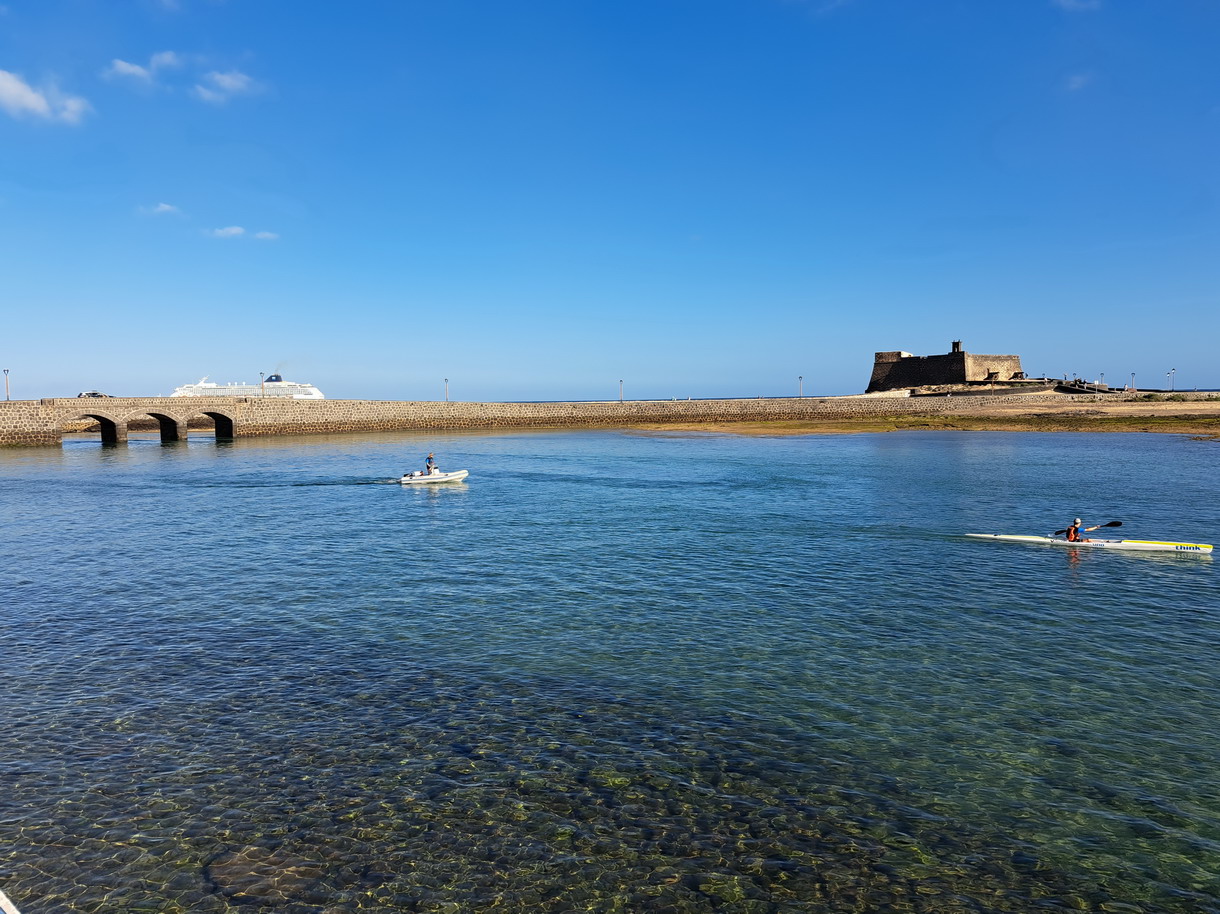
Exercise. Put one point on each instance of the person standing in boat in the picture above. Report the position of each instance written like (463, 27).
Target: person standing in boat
(430, 465)
(1074, 531)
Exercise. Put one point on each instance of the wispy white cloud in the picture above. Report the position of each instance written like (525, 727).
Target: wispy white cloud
(161, 209)
(123, 68)
(19, 98)
(208, 95)
(217, 88)
(1077, 6)
(1074, 82)
(238, 231)
(160, 61)
(233, 82)
(163, 60)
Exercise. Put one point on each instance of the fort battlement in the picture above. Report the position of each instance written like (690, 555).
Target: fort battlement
(895, 370)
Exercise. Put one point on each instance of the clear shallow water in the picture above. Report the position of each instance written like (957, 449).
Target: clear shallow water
(611, 672)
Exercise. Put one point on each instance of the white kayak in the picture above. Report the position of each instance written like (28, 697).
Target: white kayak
(1130, 545)
(420, 478)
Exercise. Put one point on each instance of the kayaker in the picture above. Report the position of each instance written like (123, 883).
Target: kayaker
(1074, 531)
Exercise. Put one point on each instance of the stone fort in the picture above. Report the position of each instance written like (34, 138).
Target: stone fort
(894, 370)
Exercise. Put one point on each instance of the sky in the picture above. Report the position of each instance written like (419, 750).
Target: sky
(540, 200)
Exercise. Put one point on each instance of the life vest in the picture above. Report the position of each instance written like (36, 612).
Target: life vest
(1073, 534)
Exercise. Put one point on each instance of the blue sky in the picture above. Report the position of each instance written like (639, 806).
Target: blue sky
(534, 200)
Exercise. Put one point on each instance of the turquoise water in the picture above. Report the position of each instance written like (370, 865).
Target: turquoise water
(610, 672)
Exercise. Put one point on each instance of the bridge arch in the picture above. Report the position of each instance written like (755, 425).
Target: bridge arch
(113, 428)
(224, 422)
(171, 427)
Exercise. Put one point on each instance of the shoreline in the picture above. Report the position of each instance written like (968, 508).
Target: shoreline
(1206, 430)
(1197, 418)
(44, 422)
(1202, 427)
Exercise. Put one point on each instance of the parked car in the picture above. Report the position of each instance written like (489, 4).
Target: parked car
(92, 393)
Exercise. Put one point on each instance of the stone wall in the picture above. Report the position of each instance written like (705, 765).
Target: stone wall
(901, 369)
(40, 422)
(27, 423)
(982, 367)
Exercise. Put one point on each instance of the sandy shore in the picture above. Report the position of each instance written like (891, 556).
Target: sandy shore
(1197, 418)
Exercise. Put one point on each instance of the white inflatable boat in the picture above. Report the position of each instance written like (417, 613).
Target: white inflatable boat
(420, 478)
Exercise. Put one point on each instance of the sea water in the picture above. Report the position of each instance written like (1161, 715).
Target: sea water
(611, 671)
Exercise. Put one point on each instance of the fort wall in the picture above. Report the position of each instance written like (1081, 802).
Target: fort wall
(992, 367)
(897, 369)
(893, 370)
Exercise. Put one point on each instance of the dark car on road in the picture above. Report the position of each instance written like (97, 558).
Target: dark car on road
(92, 393)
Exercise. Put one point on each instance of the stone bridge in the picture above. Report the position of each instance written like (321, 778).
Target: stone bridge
(43, 422)
(35, 422)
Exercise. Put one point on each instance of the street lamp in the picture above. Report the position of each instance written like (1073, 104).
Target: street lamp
(1133, 380)
(262, 388)
(6, 383)
(446, 390)
(1172, 371)
(800, 385)
(620, 390)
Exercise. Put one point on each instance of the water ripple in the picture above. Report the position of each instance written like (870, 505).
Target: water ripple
(773, 680)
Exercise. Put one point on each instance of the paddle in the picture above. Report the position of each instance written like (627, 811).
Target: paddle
(1113, 523)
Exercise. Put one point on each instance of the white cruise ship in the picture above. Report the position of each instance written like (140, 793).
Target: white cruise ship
(273, 385)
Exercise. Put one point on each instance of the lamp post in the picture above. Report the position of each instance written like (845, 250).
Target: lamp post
(1103, 379)
(620, 390)
(800, 385)
(262, 387)
(446, 390)
(1133, 380)
(6, 383)
(1172, 372)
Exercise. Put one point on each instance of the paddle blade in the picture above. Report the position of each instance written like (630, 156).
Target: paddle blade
(1059, 533)
(1113, 523)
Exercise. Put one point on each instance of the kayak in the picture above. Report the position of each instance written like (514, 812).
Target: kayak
(1129, 545)
(420, 478)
